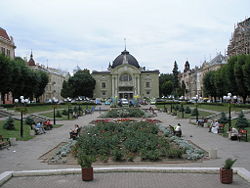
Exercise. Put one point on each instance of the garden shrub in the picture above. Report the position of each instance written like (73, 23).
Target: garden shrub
(118, 154)
(187, 110)
(29, 120)
(223, 119)
(175, 153)
(123, 113)
(242, 122)
(58, 114)
(9, 124)
(65, 112)
(181, 108)
(195, 112)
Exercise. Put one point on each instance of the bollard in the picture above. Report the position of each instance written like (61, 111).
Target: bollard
(212, 154)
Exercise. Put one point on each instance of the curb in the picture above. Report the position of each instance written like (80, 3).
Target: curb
(5, 176)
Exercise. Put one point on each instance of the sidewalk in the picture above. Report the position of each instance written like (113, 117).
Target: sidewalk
(126, 180)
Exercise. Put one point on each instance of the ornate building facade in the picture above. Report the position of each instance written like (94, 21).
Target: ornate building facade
(56, 78)
(240, 41)
(193, 78)
(126, 79)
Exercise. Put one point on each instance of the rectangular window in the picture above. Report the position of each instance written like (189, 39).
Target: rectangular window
(104, 93)
(103, 85)
(8, 53)
(3, 50)
(147, 84)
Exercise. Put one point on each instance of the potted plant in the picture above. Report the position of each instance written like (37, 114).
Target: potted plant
(226, 172)
(85, 161)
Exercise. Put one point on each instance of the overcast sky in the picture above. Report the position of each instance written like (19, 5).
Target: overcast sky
(90, 33)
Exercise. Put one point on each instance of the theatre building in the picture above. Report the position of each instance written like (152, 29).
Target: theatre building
(125, 78)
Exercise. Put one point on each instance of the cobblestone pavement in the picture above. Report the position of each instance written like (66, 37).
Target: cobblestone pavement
(126, 180)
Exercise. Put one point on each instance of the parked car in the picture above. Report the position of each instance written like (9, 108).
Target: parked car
(124, 101)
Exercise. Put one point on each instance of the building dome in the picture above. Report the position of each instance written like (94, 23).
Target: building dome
(125, 58)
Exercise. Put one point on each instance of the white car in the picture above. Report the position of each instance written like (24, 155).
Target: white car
(124, 101)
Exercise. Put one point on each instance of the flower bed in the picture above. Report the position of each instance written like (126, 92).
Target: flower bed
(192, 152)
(124, 113)
(126, 140)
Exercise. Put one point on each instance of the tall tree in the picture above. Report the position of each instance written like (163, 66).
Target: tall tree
(175, 78)
(167, 88)
(162, 79)
(246, 72)
(6, 75)
(82, 84)
(209, 84)
(239, 77)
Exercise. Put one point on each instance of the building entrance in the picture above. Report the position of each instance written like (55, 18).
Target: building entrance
(126, 95)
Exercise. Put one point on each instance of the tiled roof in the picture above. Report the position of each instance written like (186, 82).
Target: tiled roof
(4, 34)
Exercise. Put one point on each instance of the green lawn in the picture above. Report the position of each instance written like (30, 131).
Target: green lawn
(217, 108)
(202, 114)
(16, 133)
(51, 115)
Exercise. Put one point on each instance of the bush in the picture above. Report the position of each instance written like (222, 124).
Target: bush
(223, 119)
(195, 112)
(242, 122)
(29, 121)
(181, 108)
(65, 112)
(187, 110)
(175, 153)
(58, 114)
(9, 124)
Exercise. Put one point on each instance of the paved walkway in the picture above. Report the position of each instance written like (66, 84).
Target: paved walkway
(126, 180)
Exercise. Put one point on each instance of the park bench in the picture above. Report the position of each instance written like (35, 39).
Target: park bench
(221, 129)
(242, 135)
(4, 142)
(74, 136)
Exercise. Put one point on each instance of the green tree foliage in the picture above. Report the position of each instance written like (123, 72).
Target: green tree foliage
(167, 88)
(175, 78)
(234, 77)
(246, 73)
(5, 76)
(187, 110)
(80, 84)
(16, 77)
(242, 122)
(240, 78)
(195, 112)
(209, 84)
(163, 78)
(66, 91)
(9, 124)
(223, 119)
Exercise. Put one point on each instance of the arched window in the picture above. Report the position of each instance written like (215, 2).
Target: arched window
(125, 77)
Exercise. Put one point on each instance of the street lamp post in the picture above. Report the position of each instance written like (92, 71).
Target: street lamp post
(196, 99)
(182, 110)
(22, 110)
(54, 113)
(229, 109)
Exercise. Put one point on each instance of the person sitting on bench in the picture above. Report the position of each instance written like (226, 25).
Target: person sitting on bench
(177, 130)
(74, 132)
(233, 134)
(48, 125)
